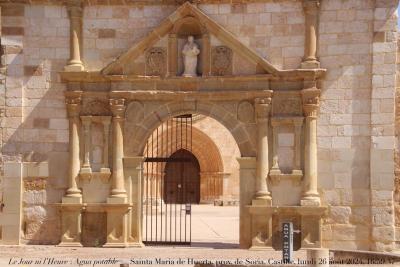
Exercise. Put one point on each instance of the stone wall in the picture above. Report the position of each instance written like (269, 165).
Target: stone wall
(35, 43)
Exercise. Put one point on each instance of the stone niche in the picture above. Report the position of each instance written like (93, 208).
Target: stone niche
(188, 26)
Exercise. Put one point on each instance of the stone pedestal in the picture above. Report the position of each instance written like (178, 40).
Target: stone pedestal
(117, 222)
(133, 175)
(265, 224)
(247, 174)
(71, 222)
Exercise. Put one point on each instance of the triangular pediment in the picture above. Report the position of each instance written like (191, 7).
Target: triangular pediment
(124, 64)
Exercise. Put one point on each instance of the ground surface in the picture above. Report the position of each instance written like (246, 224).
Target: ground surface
(214, 237)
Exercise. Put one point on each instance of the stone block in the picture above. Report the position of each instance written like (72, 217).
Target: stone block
(13, 169)
(106, 33)
(339, 214)
(383, 233)
(13, 10)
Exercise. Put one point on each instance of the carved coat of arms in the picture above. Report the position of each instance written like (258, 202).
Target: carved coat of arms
(155, 61)
(221, 60)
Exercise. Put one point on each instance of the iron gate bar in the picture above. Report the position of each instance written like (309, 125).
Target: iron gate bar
(160, 153)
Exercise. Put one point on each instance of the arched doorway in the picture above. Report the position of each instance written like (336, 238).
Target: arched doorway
(182, 178)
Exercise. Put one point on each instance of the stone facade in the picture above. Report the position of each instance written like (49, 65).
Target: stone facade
(306, 88)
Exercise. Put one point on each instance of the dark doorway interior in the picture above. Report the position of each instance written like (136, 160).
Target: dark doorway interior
(182, 178)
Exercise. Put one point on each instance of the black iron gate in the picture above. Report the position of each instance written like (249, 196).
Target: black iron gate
(171, 183)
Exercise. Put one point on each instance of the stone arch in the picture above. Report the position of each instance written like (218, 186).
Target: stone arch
(203, 148)
(189, 26)
(239, 130)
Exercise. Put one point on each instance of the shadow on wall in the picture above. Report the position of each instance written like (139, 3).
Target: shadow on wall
(35, 125)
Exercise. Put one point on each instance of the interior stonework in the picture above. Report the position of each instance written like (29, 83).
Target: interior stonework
(291, 96)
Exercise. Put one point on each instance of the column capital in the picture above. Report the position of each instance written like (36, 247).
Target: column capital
(262, 107)
(73, 102)
(75, 8)
(117, 107)
(311, 5)
(310, 99)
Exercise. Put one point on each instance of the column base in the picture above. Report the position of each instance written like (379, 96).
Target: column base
(262, 201)
(74, 67)
(314, 64)
(72, 200)
(310, 201)
(117, 200)
(115, 193)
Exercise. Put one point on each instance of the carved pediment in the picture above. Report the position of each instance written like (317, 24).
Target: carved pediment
(188, 20)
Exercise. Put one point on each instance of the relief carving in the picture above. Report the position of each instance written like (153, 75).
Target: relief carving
(156, 62)
(134, 112)
(221, 60)
(287, 106)
(96, 108)
(245, 112)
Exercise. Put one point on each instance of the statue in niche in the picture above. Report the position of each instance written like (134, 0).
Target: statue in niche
(190, 52)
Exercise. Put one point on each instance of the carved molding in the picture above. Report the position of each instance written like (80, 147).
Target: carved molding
(96, 108)
(221, 60)
(134, 112)
(245, 112)
(156, 61)
(285, 104)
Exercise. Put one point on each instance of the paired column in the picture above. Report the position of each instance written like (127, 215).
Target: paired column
(117, 107)
(86, 122)
(75, 12)
(262, 108)
(106, 125)
(310, 109)
(311, 12)
(73, 102)
(298, 123)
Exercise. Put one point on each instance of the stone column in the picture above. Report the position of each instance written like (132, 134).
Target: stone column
(311, 12)
(262, 196)
(106, 124)
(75, 12)
(247, 173)
(310, 108)
(118, 110)
(86, 122)
(275, 159)
(298, 123)
(73, 102)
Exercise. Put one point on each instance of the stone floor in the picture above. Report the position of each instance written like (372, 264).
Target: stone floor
(214, 237)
